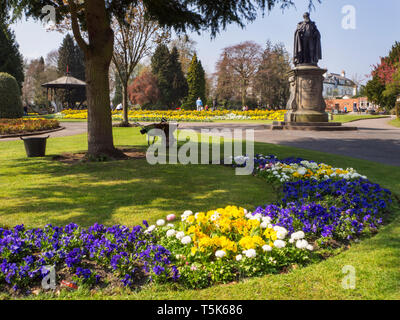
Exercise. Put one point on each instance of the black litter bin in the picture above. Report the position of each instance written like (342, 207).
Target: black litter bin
(35, 147)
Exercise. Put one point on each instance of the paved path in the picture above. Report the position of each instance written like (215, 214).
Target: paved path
(375, 140)
(71, 129)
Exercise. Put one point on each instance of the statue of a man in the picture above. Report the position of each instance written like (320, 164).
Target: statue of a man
(307, 42)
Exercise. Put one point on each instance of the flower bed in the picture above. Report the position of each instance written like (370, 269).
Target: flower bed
(20, 126)
(128, 255)
(320, 208)
(182, 115)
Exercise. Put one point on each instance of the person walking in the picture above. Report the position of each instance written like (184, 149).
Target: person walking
(199, 104)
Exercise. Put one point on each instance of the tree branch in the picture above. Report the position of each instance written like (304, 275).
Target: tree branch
(75, 26)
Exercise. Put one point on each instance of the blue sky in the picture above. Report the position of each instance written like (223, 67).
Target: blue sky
(351, 50)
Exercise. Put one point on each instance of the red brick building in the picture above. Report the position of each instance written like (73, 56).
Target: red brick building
(350, 105)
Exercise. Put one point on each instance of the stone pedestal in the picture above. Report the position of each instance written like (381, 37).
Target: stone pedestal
(306, 103)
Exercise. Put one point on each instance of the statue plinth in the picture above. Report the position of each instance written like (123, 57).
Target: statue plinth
(306, 102)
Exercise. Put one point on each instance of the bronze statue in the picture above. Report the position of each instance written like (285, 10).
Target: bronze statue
(307, 42)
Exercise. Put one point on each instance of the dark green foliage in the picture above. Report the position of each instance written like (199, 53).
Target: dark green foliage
(179, 83)
(11, 60)
(10, 97)
(374, 90)
(71, 58)
(171, 81)
(161, 68)
(190, 15)
(196, 83)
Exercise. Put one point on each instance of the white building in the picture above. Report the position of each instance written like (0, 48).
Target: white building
(337, 85)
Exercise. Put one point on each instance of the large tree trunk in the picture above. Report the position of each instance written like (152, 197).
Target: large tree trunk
(98, 58)
(100, 138)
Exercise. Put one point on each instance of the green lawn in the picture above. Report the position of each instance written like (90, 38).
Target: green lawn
(395, 122)
(352, 117)
(40, 191)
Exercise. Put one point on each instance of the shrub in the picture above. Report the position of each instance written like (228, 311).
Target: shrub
(10, 97)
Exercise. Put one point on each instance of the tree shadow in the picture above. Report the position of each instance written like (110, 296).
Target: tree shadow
(127, 191)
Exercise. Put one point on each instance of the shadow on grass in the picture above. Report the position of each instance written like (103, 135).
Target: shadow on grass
(123, 192)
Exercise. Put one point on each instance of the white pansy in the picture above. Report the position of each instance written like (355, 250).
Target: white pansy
(266, 248)
(310, 247)
(171, 233)
(150, 229)
(301, 244)
(264, 225)
(266, 219)
(170, 225)
(186, 240)
(298, 235)
(251, 253)
(220, 254)
(302, 171)
(279, 244)
(281, 234)
(239, 257)
(180, 235)
(160, 222)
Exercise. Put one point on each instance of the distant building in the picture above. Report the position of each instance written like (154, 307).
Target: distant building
(350, 105)
(337, 85)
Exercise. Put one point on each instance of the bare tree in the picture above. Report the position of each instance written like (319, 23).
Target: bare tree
(271, 83)
(134, 39)
(52, 59)
(243, 60)
(186, 49)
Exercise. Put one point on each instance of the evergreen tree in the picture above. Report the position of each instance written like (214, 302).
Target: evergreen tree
(71, 59)
(162, 68)
(196, 83)
(11, 60)
(179, 83)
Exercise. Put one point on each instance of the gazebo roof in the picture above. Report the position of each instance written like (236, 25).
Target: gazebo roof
(65, 83)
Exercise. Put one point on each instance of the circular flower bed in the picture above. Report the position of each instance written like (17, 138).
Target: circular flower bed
(321, 208)
(21, 126)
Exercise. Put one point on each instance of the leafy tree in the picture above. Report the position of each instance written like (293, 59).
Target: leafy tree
(162, 68)
(383, 88)
(11, 60)
(70, 57)
(10, 93)
(179, 83)
(144, 90)
(95, 16)
(196, 83)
